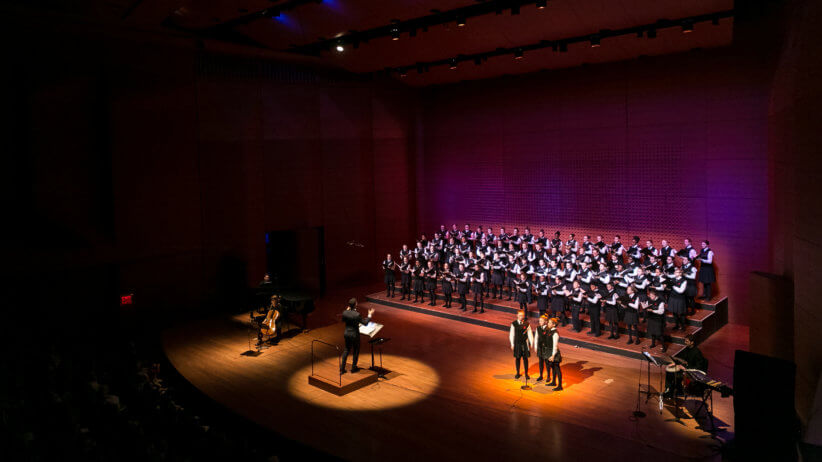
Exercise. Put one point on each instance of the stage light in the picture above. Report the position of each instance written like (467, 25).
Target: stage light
(340, 48)
(651, 33)
(460, 21)
(595, 41)
(542, 4)
(687, 27)
(395, 31)
(515, 9)
(518, 53)
(452, 63)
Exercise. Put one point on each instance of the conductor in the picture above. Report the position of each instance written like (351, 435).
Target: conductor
(352, 319)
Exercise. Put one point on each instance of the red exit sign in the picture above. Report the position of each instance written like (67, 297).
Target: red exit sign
(126, 299)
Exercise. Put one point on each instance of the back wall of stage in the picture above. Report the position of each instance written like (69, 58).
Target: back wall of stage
(663, 148)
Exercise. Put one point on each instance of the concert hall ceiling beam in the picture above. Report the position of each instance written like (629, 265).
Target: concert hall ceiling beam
(595, 39)
(458, 16)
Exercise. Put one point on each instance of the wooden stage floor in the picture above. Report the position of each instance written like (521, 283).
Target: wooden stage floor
(451, 395)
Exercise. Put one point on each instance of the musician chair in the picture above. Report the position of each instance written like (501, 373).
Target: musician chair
(267, 339)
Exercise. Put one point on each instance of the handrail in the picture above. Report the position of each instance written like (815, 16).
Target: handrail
(339, 357)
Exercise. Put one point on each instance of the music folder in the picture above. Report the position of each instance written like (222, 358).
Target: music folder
(370, 329)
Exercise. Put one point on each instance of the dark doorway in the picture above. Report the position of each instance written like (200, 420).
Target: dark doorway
(295, 258)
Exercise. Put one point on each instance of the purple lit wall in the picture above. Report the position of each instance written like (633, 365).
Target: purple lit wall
(670, 148)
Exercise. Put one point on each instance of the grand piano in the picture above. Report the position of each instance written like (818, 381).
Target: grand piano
(296, 305)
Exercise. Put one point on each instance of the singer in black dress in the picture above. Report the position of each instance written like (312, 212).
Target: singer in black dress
(656, 319)
(556, 357)
(431, 275)
(462, 284)
(707, 275)
(558, 298)
(575, 299)
(594, 299)
(542, 346)
(611, 311)
(542, 288)
(498, 268)
(478, 287)
(631, 317)
(405, 279)
(418, 276)
(523, 289)
(448, 281)
(677, 301)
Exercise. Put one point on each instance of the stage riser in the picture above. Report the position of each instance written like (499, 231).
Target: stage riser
(717, 315)
(679, 339)
(713, 306)
(457, 316)
(492, 305)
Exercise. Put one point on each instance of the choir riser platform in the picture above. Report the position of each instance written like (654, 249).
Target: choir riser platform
(497, 317)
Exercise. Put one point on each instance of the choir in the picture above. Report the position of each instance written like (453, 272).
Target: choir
(634, 285)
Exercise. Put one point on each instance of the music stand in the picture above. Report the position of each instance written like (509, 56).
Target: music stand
(381, 371)
(250, 333)
(648, 359)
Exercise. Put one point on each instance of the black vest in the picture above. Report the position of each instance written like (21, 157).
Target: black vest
(520, 333)
(704, 254)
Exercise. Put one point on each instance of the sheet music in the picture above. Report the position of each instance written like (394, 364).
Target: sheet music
(370, 329)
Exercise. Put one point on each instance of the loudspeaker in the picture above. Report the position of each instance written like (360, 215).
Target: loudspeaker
(766, 426)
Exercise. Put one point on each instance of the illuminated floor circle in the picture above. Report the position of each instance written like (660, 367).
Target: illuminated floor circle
(410, 381)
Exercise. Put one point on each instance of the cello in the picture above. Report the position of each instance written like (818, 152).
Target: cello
(269, 324)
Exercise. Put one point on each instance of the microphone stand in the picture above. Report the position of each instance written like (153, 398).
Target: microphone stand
(637, 413)
(526, 386)
(249, 335)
